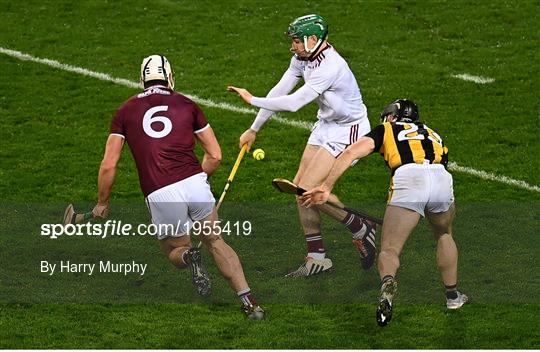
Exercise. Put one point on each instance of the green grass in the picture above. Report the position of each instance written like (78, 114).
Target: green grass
(176, 326)
(55, 123)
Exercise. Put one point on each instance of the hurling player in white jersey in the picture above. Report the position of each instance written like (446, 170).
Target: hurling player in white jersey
(342, 119)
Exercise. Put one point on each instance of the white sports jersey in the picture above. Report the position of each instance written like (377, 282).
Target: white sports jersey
(329, 75)
(328, 80)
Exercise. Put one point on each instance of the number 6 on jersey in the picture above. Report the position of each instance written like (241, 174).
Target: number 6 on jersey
(148, 120)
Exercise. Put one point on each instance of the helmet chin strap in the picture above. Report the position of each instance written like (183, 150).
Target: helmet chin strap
(315, 48)
(170, 79)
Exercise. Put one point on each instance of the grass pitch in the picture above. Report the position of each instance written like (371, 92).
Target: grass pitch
(55, 124)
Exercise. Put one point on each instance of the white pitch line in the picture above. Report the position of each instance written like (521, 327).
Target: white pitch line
(475, 79)
(493, 177)
(75, 69)
(225, 106)
(131, 84)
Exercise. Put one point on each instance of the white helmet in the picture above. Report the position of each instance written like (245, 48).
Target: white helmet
(156, 67)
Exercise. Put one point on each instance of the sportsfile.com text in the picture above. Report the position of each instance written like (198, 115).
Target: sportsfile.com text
(118, 228)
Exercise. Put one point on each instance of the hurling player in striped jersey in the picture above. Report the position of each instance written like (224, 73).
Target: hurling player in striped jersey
(420, 187)
(342, 119)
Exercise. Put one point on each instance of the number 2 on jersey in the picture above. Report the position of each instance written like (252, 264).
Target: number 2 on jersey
(149, 119)
(412, 133)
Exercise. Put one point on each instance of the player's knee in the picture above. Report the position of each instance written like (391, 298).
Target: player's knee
(212, 241)
(388, 252)
(389, 255)
(443, 236)
(440, 228)
(304, 182)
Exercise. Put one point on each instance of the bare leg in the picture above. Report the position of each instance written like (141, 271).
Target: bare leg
(225, 257)
(397, 226)
(333, 212)
(314, 167)
(174, 248)
(447, 256)
(447, 253)
(309, 218)
(182, 255)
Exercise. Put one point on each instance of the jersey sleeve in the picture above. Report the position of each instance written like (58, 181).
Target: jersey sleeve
(322, 79)
(200, 123)
(295, 67)
(287, 82)
(292, 102)
(377, 134)
(117, 123)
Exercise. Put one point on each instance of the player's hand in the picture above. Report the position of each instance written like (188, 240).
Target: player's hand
(248, 137)
(317, 195)
(243, 93)
(100, 210)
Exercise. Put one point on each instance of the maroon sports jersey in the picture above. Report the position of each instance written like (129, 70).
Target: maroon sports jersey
(159, 126)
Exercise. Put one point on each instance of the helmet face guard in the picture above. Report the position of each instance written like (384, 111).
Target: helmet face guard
(402, 109)
(306, 26)
(157, 67)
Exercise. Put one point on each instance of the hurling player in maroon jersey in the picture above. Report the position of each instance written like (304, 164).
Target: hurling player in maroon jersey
(161, 128)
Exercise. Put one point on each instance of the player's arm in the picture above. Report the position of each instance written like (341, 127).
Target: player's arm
(285, 85)
(319, 195)
(288, 81)
(292, 102)
(212, 150)
(317, 84)
(107, 172)
(361, 148)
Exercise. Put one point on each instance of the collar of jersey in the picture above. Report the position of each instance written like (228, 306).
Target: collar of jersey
(316, 56)
(157, 85)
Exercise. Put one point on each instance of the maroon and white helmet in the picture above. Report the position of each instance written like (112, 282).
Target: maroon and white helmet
(157, 67)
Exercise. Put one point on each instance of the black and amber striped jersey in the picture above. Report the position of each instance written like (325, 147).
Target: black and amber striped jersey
(403, 143)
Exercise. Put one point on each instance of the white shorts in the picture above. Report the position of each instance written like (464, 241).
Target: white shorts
(335, 137)
(175, 207)
(422, 187)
